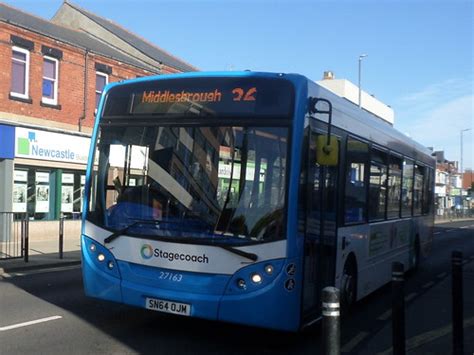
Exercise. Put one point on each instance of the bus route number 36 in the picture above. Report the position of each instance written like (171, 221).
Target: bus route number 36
(244, 95)
(170, 276)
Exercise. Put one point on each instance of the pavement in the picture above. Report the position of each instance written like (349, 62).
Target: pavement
(44, 254)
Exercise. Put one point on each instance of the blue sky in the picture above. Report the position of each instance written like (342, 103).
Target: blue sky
(420, 52)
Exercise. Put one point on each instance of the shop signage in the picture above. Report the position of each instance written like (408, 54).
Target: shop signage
(42, 145)
(7, 134)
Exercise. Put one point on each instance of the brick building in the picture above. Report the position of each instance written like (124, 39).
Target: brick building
(51, 76)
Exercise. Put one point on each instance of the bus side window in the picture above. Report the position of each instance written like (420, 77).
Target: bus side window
(357, 157)
(377, 185)
(418, 189)
(394, 187)
(427, 199)
(407, 187)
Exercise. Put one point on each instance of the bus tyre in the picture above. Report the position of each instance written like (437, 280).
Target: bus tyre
(348, 286)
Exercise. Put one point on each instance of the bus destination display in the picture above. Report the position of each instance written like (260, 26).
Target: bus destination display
(198, 97)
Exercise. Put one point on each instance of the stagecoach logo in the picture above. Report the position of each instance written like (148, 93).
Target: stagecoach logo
(146, 251)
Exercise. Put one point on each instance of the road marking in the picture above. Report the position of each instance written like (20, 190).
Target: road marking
(428, 285)
(428, 337)
(442, 275)
(464, 227)
(354, 342)
(385, 315)
(25, 324)
(437, 233)
(450, 230)
(410, 296)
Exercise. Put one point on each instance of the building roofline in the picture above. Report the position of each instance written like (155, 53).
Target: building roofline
(93, 17)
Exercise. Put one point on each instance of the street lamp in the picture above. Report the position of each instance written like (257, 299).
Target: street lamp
(360, 61)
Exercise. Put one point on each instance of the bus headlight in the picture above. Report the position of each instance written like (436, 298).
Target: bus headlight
(96, 254)
(256, 278)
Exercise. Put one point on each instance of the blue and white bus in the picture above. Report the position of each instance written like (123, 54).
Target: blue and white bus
(239, 196)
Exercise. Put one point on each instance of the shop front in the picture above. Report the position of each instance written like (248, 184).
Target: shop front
(43, 176)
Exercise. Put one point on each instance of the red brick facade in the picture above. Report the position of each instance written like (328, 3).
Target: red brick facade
(71, 98)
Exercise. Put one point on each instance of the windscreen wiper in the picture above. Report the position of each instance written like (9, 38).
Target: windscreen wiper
(245, 254)
(118, 233)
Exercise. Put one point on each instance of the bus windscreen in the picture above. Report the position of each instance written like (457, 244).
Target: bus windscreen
(206, 97)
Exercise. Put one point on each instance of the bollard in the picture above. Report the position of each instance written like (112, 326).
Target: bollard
(331, 321)
(398, 309)
(61, 236)
(457, 295)
(26, 233)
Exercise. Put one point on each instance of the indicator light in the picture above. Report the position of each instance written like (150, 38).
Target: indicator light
(241, 284)
(269, 269)
(101, 257)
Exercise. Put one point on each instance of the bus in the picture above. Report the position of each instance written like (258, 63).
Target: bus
(239, 196)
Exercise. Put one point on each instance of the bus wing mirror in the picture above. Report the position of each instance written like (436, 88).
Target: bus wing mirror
(327, 152)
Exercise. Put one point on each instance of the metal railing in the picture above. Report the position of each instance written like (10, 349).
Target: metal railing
(14, 235)
(451, 215)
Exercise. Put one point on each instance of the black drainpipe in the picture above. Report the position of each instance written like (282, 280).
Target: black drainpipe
(84, 109)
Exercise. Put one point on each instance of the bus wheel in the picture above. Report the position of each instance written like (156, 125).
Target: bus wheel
(349, 285)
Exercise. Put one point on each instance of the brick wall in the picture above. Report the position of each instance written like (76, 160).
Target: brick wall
(71, 79)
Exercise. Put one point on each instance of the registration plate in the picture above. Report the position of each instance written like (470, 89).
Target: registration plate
(168, 307)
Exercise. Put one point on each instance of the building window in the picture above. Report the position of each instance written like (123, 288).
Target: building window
(50, 81)
(101, 80)
(20, 72)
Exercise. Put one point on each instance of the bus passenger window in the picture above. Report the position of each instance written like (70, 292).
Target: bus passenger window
(355, 193)
(427, 191)
(407, 188)
(394, 187)
(418, 190)
(377, 185)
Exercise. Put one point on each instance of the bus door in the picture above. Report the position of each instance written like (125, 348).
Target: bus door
(320, 231)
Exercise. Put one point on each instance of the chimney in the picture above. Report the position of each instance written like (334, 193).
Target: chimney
(328, 75)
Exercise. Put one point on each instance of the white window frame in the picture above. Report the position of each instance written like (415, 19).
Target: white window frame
(106, 82)
(27, 73)
(54, 100)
